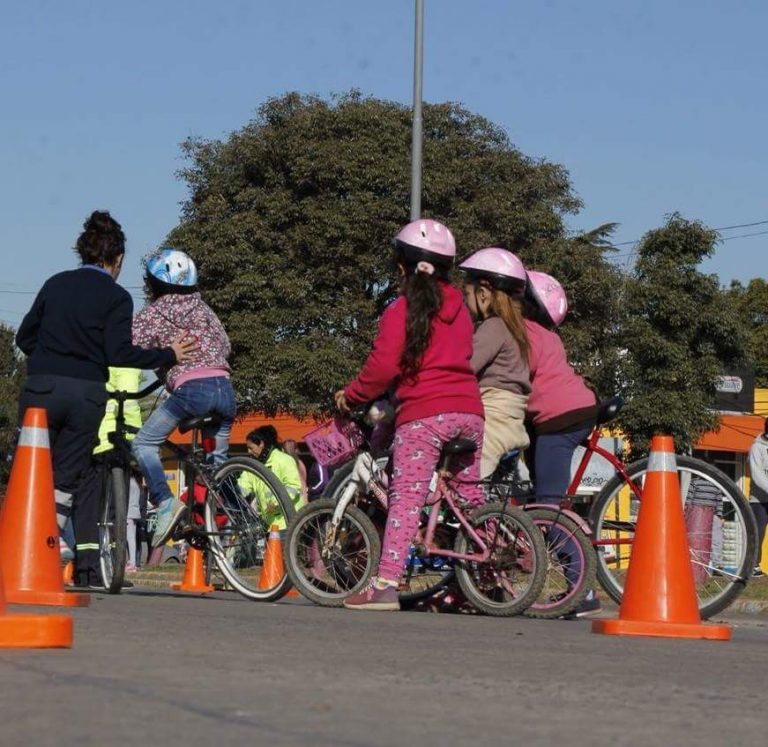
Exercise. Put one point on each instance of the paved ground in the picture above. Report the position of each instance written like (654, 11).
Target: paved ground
(157, 668)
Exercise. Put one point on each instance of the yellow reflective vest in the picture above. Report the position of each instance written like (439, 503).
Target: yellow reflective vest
(122, 380)
(284, 467)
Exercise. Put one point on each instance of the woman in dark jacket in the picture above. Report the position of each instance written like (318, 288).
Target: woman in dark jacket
(78, 326)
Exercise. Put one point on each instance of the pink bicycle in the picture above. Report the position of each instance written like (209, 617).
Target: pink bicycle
(498, 555)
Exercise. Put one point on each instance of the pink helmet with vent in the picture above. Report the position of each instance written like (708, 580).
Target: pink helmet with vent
(548, 297)
(426, 240)
(499, 266)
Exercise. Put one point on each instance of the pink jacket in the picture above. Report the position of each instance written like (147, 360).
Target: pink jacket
(559, 397)
(160, 323)
(445, 382)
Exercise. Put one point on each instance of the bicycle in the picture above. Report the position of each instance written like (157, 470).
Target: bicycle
(714, 506)
(230, 508)
(572, 562)
(495, 551)
(723, 557)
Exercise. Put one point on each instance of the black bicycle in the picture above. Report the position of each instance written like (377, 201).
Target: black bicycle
(230, 507)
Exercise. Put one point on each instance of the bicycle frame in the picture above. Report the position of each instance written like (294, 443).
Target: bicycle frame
(443, 494)
(593, 447)
(362, 478)
(120, 455)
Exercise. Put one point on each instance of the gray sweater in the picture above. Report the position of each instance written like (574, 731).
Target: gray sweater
(496, 358)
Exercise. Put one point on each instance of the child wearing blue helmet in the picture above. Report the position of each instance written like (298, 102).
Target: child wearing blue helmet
(197, 387)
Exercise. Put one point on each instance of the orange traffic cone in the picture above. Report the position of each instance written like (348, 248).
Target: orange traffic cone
(194, 575)
(33, 631)
(29, 536)
(659, 593)
(273, 571)
(68, 573)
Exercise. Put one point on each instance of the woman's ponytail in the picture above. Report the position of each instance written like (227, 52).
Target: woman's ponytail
(510, 310)
(424, 297)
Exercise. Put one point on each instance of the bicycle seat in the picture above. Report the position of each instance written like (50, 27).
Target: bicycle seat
(459, 446)
(202, 421)
(609, 409)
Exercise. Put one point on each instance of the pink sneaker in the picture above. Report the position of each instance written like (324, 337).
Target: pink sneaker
(373, 598)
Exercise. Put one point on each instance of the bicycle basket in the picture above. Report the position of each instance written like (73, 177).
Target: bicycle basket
(334, 442)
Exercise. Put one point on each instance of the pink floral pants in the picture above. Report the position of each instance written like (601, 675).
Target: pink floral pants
(416, 453)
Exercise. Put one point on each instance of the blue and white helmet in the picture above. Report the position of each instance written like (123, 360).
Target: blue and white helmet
(173, 269)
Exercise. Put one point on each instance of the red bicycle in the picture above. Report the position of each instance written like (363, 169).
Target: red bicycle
(722, 533)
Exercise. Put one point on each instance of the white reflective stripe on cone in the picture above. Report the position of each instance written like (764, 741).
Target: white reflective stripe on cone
(35, 437)
(662, 461)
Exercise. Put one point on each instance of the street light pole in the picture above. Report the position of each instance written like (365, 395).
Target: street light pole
(416, 135)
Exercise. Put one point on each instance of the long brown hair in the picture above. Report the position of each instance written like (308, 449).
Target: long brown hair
(510, 310)
(424, 298)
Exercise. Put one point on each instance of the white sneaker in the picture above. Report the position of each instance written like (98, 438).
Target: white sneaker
(169, 512)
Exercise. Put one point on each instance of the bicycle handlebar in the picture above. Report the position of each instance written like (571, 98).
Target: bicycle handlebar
(121, 396)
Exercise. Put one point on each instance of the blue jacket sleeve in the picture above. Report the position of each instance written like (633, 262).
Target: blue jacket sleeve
(26, 336)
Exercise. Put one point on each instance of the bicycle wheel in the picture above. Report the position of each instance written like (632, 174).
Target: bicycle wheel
(338, 481)
(422, 576)
(721, 532)
(571, 568)
(245, 502)
(113, 527)
(326, 567)
(512, 579)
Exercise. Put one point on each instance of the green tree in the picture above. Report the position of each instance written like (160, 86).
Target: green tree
(290, 220)
(680, 334)
(751, 306)
(11, 378)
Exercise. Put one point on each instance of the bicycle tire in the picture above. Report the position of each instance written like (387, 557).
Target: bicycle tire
(561, 595)
(534, 555)
(721, 586)
(338, 480)
(239, 544)
(113, 529)
(422, 577)
(346, 568)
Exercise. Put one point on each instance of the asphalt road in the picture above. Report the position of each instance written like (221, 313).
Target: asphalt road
(152, 668)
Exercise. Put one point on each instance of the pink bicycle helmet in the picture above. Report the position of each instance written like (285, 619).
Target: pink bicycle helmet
(549, 298)
(501, 268)
(426, 240)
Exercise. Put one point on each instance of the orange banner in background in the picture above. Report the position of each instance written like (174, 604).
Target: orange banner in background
(736, 433)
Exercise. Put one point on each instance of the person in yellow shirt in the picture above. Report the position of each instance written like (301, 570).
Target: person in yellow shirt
(87, 499)
(262, 444)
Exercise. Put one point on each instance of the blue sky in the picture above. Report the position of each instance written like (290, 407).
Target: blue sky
(653, 107)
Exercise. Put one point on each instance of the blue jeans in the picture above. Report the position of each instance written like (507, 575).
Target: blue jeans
(552, 463)
(194, 399)
(552, 476)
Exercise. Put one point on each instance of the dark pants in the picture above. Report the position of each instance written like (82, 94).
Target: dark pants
(74, 409)
(551, 475)
(760, 510)
(552, 455)
(85, 521)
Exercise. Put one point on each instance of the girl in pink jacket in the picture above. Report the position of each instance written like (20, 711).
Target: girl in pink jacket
(198, 386)
(423, 349)
(561, 407)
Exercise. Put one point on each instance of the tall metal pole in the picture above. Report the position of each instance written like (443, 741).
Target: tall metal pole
(416, 135)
